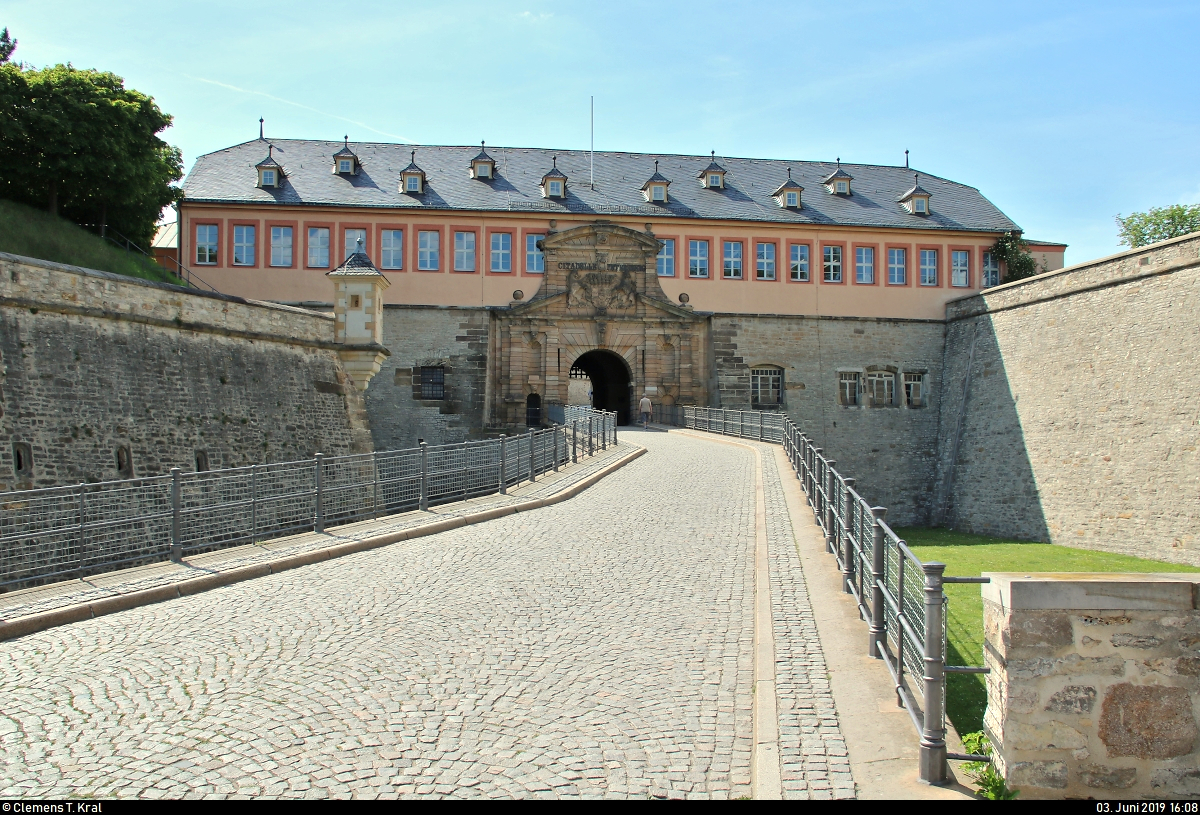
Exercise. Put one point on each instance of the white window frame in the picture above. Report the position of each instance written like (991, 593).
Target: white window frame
(658, 193)
(768, 379)
(464, 251)
(501, 252)
(664, 261)
(842, 186)
(764, 261)
(714, 180)
(429, 250)
(244, 251)
(268, 178)
(832, 258)
(849, 388)
(864, 265)
(929, 271)
(535, 258)
(792, 199)
(698, 258)
(318, 247)
(919, 206)
(881, 387)
(281, 246)
(483, 170)
(897, 272)
(413, 184)
(798, 263)
(991, 270)
(345, 165)
(914, 390)
(352, 245)
(960, 268)
(554, 189)
(391, 249)
(208, 247)
(731, 265)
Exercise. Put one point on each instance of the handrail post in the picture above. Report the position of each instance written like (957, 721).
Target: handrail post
(319, 521)
(830, 507)
(848, 566)
(503, 479)
(591, 438)
(532, 457)
(760, 426)
(878, 618)
(933, 737)
(574, 441)
(604, 431)
(176, 511)
(424, 502)
(82, 526)
(555, 432)
(253, 503)
(375, 484)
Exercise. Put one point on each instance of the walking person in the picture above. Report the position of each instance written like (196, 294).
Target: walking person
(646, 408)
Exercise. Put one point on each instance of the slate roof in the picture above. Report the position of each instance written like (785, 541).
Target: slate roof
(838, 173)
(917, 189)
(554, 171)
(483, 156)
(790, 184)
(657, 178)
(357, 265)
(228, 177)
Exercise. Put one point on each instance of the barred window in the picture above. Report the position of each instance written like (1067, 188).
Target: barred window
(766, 386)
(881, 385)
(433, 382)
(848, 387)
(914, 390)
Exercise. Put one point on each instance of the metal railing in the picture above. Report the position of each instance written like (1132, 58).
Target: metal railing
(66, 532)
(900, 597)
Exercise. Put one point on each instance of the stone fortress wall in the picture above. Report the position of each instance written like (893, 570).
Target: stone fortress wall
(94, 363)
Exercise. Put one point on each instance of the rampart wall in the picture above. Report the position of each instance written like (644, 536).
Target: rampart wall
(95, 363)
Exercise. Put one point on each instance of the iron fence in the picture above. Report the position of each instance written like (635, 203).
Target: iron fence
(65, 532)
(900, 597)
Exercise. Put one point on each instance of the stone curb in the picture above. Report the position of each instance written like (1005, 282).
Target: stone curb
(21, 626)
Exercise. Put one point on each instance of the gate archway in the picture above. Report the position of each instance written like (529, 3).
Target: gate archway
(610, 381)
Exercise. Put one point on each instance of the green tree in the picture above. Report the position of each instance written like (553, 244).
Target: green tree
(7, 46)
(1014, 252)
(1159, 224)
(81, 144)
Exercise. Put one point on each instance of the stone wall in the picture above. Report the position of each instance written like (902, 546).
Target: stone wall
(455, 339)
(889, 450)
(1081, 422)
(1094, 688)
(94, 363)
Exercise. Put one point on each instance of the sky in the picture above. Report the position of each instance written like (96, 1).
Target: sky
(1063, 114)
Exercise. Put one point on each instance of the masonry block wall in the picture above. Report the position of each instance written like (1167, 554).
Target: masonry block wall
(453, 339)
(98, 367)
(888, 449)
(1080, 423)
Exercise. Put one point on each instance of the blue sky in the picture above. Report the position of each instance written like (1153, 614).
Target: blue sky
(1063, 114)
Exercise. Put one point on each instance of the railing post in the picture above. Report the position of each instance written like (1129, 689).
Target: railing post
(933, 737)
(591, 438)
(830, 508)
(176, 511)
(760, 426)
(878, 618)
(424, 503)
(604, 431)
(555, 432)
(375, 484)
(574, 441)
(848, 566)
(503, 479)
(253, 503)
(82, 527)
(319, 521)
(818, 478)
(532, 457)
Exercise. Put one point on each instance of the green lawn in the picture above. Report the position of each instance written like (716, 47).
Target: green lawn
(38, 234)
(968, 556)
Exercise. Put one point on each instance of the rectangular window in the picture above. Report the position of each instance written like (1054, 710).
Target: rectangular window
(697, 258)
(914, 390)
(881, 385)
(268, 178)
(414, 183)
(848, 388)
(501, 252)
(929, 267)
(356, 241)
(764, 264)
(658, 193)
(864, 264)
(733, 260)
(665, 262)
(897, 266)
(206, 244)
(243, 246)
(766, 386)
(391, 244)
(464, 251)
(535, 258)
(833, 264)
(318, 247)
(799, 263)
(281, 246)
(960, 268)
(433, 382)
(428, 251)
(991, 270)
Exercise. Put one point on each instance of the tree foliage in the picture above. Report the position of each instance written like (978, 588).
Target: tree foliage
(7, 46)
(1014, 252)
(1159, 224)
(81, 144)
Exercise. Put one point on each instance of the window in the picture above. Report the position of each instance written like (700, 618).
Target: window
(842, 187)
(697, 258)
(124, 462)
(535, 258)
(864, 264)
(960, 268)
(799, 263)
(991, 270)
(464, 251)
(848, 388)
(201, 461)
(281, 246)
(881, 385)
(914, 390)
(22, 458)
(356, 241)
(929, 267)
(483, 170)
(428, 248)
(433, 382)
(658, 193)
(833, 264)
(665, 262)
(764, 264)
(414, 183)
(318, 246)
(391, 242)
(714, 180)
(345, 165)
(733, 260)
(766, 386)
(243, 246)
(555, 189)
(897, 266)
(919, 206)
(206, 244)
(501, 252)
(268, 178)
(793, 200)
(356, 301)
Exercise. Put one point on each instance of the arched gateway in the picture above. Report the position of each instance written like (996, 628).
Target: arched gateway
(600, 308)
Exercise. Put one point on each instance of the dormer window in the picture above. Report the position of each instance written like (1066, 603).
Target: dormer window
(787, 194)
(483, 167)
(916, 200)
(655, 188)
(554, 183)
(344, 160)
(268, 178)
(838, 182)
(412, 177)
(270, 173)
(713, 176)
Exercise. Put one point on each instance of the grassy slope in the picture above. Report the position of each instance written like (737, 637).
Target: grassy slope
(968, 556)
(38, 234)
